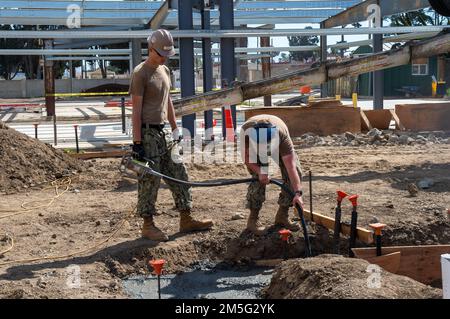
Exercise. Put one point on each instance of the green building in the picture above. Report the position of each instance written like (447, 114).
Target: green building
(403, 80)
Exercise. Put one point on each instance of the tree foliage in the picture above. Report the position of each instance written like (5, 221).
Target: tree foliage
(10, 65)
(421, 17)
(303, 41)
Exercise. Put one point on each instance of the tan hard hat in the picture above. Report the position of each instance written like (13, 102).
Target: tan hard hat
(161, 40)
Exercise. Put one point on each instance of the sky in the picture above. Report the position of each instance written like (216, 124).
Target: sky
(283, 41)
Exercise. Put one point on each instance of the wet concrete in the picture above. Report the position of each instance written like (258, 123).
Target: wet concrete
(202, 283)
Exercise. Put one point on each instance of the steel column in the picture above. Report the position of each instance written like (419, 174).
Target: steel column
(227, 61)
(323, 59)
(136, 53)
(207, 73)
(49, 82)
(187, 74)
(243, 64)
(266, 71)
(378, 76)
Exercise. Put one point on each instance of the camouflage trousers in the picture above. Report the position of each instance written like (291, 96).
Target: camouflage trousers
(157, 144)
(256, 192)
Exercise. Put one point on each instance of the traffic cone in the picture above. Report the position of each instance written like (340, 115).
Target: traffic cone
(229, 126)
(306, 89)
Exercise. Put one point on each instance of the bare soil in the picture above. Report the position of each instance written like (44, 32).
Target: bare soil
(337, 277)
(99, 203)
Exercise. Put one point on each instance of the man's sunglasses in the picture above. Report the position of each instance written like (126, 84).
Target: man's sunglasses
(158, 53)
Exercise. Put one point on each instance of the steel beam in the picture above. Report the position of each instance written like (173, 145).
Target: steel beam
(353, 67)
(359, 13)
(89, 58)
(160, 16)
(87, 44)
(64, 51)
(305, 4)
(85, 5)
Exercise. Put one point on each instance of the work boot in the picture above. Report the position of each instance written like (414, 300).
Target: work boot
(150, 231)
(282, 219)
(253, 224)
(189, 224)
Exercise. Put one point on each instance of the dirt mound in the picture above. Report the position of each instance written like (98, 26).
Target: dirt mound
(332, 276)
(112, 87)
(26, 162)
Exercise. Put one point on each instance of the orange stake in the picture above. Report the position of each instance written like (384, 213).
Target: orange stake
(158, 265)
(377, 228)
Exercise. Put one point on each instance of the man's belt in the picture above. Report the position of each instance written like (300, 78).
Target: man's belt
(155, 126)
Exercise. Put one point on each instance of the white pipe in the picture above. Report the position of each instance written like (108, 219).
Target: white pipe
(445, 264)
(400, 38)
(138, 34)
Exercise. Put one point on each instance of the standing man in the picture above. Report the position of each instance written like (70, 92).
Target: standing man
(262, 135)
(152, 138)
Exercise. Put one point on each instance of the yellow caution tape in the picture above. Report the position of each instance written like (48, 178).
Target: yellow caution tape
(107, 93)
(87, 94)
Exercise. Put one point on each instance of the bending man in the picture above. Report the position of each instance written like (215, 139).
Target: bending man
(261, 136)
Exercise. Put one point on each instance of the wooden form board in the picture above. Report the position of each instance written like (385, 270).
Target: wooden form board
(424, 117)
(379, 119)
(364, 235)
(365, 123)
(389, 262)
(398, 124)
(421, 263)
(318, 120)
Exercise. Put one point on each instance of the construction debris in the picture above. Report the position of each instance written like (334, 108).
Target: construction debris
(374, 137)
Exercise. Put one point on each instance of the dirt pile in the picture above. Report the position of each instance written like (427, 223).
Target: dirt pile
(26, 162)
(374, 137)
(111, 87)
(337, 277)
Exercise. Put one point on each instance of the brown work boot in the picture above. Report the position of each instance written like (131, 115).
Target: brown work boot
(150, 231)
(253, 224)
(189, 224)
(282, 219)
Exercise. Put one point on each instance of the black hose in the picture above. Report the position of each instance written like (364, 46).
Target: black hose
(201, 184)
(283, 186)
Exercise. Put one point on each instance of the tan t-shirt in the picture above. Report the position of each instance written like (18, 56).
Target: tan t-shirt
(286, 144)
(153, 84)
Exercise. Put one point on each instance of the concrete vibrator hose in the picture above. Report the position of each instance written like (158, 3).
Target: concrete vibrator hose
(141, 169)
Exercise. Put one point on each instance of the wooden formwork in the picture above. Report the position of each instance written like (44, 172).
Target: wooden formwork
(325, 120)
(379, 119)
(424, 117)
(421, 263)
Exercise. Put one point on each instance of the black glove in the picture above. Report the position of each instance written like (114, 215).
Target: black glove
(177, 135)
(138, 152)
